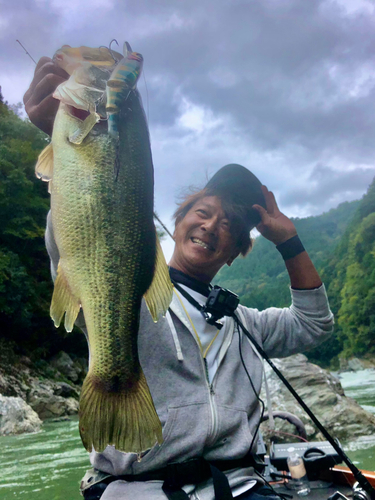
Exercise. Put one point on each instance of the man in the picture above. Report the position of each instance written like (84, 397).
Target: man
(204, 380)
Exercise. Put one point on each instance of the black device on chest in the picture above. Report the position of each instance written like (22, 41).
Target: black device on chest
(220, 302)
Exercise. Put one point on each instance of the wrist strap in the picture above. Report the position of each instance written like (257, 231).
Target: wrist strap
(290, 248)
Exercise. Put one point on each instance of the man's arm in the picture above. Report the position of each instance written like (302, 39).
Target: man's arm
(39, 103)
(278, 228)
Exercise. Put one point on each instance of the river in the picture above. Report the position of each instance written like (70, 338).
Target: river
(49, 465)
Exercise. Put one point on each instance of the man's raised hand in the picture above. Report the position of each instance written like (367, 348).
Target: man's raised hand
(39, 103)
(274, 225)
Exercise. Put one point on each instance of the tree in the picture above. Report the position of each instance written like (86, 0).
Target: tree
(25, 282)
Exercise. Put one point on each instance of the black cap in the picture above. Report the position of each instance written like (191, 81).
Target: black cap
(238, 186)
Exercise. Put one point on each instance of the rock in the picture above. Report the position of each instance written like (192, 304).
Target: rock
(61, 419)
(47, 404)
(355, 364)
(81, 365)
(350, 365)
(64, 363)
(17, 417)
(55, 406)
(24, 360)
(323, 394)
(65, 390)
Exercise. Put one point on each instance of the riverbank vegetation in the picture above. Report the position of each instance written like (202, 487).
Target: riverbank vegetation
(341, 243)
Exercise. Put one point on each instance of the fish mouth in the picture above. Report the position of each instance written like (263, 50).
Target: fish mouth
(202, 243)
(81, 114)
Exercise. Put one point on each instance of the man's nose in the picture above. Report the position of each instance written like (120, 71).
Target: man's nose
(210, 225)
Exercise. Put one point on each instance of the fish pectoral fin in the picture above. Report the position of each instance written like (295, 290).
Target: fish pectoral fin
(159, 295)
(84, 129)
(64, 301)
(44, 165)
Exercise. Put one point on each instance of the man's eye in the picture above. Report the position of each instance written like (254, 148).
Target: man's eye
(201, 212)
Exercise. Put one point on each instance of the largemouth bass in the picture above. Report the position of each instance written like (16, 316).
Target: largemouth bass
(100, 173)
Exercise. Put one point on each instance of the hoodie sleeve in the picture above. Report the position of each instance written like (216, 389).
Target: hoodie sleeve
(305, 324)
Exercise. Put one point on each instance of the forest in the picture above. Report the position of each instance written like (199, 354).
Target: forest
(340, 242)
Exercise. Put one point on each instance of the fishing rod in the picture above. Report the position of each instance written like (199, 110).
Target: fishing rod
(28, 53)
(163, 226)
(362, 480)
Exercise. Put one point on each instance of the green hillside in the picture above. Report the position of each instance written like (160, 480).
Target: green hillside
(261, 279)
(341, 244)
(350, 278)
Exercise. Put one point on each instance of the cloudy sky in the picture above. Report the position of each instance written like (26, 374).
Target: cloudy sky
(283, 87)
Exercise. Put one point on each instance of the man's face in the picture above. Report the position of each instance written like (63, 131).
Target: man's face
(203, 241)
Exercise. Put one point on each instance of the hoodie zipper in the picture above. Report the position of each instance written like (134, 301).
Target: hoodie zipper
(211, 393)
(211, 396)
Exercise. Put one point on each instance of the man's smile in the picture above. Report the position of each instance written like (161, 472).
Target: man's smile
(203, 244)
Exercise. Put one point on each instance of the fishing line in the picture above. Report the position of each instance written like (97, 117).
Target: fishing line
(148, 111)
(261, 402)
(163, 226)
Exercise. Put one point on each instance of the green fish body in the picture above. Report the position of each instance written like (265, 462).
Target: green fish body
(102, 213)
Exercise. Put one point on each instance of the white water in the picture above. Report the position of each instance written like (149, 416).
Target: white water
(360, 386)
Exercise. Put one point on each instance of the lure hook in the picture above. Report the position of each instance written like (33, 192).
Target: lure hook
(110, 49)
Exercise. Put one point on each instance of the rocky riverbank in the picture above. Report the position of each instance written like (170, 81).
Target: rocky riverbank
(323, 394)
(33, 392)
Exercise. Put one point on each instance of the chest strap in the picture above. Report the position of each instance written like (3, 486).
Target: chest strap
(178, 474)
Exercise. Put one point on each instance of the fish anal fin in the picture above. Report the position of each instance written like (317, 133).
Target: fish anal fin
(63, 301)
(159, 295)
(84, 128)
(44, 165)
(126, 419)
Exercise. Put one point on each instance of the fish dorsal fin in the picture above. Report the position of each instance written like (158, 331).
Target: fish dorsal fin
(159, 295)
(64, 301)
(44, 165)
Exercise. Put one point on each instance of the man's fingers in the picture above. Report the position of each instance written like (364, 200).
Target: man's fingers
(271, 204)
(44, 89)
(44, 74)
(44, 114)
(42, 61)
(262, 212)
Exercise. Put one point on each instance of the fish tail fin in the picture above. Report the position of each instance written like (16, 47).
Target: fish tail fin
(125, 419)
(159, 295)
(64, 301)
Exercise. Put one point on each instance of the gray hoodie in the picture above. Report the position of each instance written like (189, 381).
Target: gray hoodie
(217, 420)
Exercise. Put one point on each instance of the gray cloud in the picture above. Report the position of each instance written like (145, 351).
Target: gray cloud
(326, 185)
(281, 87)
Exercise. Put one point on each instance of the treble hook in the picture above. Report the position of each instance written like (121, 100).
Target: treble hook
(110, 49)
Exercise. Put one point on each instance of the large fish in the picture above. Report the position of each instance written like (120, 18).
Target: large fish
(100, 174)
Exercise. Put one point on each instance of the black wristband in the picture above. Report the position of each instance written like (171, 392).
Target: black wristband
(290, 248)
